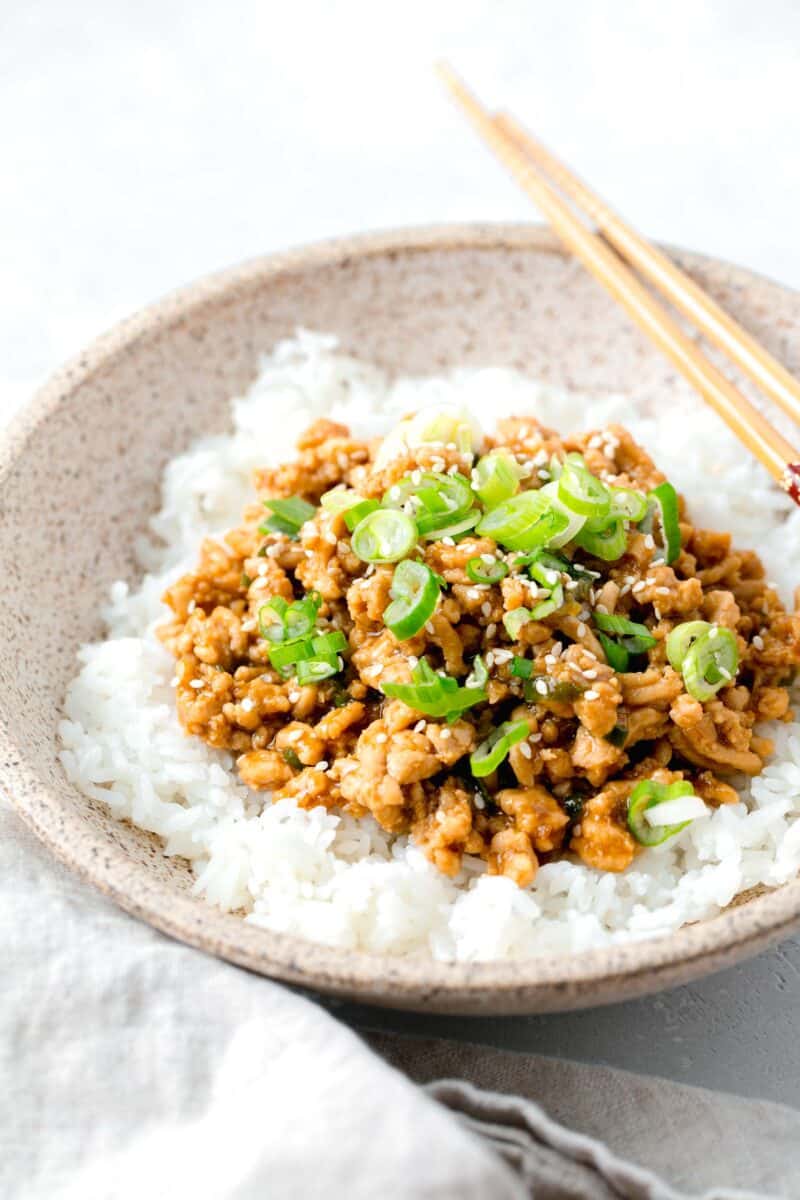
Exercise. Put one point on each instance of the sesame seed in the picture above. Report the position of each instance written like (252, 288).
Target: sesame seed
(294, 697)
(535, 737)
(330, 538)
(662, 591)
(543, 474)
(490, 658)
(247, 704)
(293, 735)
(591, 673)
(478, 800)
(486, 608)
(638, 587)
(191, 606)
(758, 642)
(175, 681)
(650, 541)
(713, 631)
(196, 683)
(412, 660)
(448, 541)
(525, 750)
(380, 738)
(502, 656)
(489, 559)
(473, 594)
(491, 630)
(581, 629)
(591, 695)
(541, 687)
(444, 734)
(429, 627)
(420, 726)
(322, 765)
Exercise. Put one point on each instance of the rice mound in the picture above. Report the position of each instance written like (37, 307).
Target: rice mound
(345, 882)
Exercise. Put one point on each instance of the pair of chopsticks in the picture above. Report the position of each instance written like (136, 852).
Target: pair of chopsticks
(612, 253)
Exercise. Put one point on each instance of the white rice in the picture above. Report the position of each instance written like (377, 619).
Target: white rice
(347, 883)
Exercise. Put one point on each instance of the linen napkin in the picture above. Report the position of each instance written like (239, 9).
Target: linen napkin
(134, 1067)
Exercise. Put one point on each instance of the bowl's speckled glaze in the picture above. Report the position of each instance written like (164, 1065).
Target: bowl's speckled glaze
(79, 475)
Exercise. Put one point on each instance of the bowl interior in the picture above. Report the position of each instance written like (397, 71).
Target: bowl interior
(79, 477)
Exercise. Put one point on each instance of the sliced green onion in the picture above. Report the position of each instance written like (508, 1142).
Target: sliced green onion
(482, 572)
(681, 638)
(288, 516)
(384, 536)
(710, 663)
(454, 529)
(616, 655)
(438, 695)
(637, 638)
(290, 756)
(552, 604)
(663, 502)
(496, 478)
(284, 657)
(575, 521)
(582, 491)
(513, 621)
(647, 795)
(435, 499)
(339, 499)
(522, 668)
(355, 515)
(494, 750)
(524, 522)
(301, 617)
(609, 543)
(271, 619)
(414, 593)
(329, 644)
(314, 670)
(629, 504)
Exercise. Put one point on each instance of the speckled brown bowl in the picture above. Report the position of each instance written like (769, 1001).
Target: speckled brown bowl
(79, 474)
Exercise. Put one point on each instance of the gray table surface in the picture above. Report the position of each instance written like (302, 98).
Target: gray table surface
(147, 144)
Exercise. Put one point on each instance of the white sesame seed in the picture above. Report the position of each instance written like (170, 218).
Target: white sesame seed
(491, 630)
(444, 734)
(473, 594)
(380, 738)
(420, 726)
(591, 673)
(196, 683)
(448, 541)
(478, 800)
(535, 737)
(330, 538)
(662, 591)
(541, 687)
(486, 608)
(489, 559)
(293, 698)
(293, 735)
(374, 670)
(650, 541)
(758, 642)
(322, 765)
(543, 474)
(429, 628)
(638, 587)
(713, 631)
(175, 681)
(581, 629)
(191, 606)
(247, 704)
(412, 661)
(525, 750)
(502, 656)
(490, 658)
(591, 695)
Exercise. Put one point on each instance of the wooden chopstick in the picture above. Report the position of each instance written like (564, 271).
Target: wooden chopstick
(768, 445)
(718, 326)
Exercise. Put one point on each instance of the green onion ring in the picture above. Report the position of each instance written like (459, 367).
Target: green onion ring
(582, 491)
(524, 522)
(481, 572)
(494, 749)
(384, 535)
(608, 544)
(647, 794)
(664, 501)
(710, 663)
(681, 638)
(414, 594)
(496, 477)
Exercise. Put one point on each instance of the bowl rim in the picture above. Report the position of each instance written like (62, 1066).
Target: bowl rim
(546, 982)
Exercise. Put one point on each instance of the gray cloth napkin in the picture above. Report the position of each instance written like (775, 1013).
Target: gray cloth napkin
(133, 1067)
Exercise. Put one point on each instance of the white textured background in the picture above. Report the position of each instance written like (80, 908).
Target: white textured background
(149, 141)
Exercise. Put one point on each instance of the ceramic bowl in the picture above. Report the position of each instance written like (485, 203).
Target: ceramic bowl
(79, 476)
